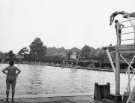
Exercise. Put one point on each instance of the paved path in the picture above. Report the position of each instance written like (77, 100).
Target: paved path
(60, 99)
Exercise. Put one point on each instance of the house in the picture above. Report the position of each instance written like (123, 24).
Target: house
(73, 55)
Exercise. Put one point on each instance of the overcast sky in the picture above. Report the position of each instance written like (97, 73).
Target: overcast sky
(59, 23)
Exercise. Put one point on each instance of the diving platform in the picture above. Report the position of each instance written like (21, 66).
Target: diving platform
(127, 49)
(124, 45)
(130, 48)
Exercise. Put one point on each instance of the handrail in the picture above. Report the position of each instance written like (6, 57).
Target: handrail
(126, 20)
(127, 33)
(128, 26)
(127, 39)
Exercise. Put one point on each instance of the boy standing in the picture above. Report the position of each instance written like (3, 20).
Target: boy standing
(12, 72)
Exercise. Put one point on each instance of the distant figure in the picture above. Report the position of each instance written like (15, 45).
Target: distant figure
(118, 28)
(12, 72)
(114, 14)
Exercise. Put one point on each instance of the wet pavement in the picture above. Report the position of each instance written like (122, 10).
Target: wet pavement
(59, 99)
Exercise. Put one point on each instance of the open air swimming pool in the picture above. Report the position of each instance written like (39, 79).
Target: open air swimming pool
(46, 80)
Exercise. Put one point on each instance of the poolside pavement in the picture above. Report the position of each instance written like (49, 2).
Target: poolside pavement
(59, 99)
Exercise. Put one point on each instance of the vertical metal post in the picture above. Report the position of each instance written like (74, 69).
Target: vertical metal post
(117, 72)
(129, 86)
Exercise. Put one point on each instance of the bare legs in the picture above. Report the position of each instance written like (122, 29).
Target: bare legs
(13, 84)
(7, 91)
(13, 90)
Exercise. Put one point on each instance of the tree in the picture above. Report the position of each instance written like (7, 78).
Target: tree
(53, 51)
(75, 49)
(37, 50)
(2, 56)
(11, 55)
(69, 52)
(101, 56)
(85, 52)
(23, 51)
(23, 54)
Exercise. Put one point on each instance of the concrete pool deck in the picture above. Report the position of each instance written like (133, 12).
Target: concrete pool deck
(57, 99)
